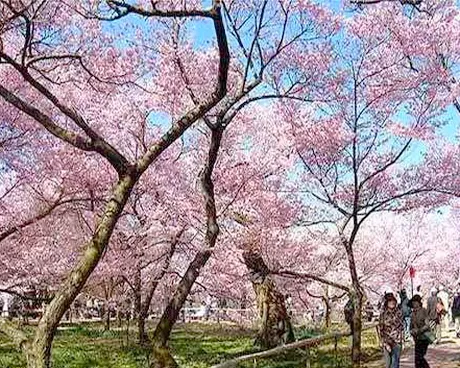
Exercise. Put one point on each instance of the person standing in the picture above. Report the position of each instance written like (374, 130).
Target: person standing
(369, 310)
(349, 311)
(420, 328)
(456, 312)
(444, 315)
(433, 314)
(406, 313)
(419, 291)
(391, 331)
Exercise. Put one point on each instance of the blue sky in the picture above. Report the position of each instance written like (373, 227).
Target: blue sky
(204, 36)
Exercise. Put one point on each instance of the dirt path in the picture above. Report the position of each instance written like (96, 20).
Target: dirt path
(444, 355)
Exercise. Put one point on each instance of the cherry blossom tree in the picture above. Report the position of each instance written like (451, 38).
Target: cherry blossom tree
(352, 155)
(44, 81)
(261, 72)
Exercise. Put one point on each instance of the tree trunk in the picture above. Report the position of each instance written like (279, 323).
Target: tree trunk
(40, 354)
(142, 336)
(141, 316)
(327, 317)
(357, 331)
(358, 297)
(107, 318)
(161, 355)
(138, 315)
(276, 327)
(162, 358)
(145, 305)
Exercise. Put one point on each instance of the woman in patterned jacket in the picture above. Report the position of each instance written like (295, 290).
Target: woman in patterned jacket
(391, 331)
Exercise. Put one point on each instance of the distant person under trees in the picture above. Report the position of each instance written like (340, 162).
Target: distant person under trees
(444, 314)
(349, 311)
(406, 313)
(369, 311)
(436, 311)
(456, 312)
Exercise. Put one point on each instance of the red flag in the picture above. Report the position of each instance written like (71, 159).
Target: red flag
(412, 272)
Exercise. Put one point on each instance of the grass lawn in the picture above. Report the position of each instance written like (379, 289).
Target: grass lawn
(194, 346)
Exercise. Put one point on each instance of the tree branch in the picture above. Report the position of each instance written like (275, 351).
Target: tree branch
(307, 276)
(181, 125)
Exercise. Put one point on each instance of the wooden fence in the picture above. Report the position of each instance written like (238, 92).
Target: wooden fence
(306, 345)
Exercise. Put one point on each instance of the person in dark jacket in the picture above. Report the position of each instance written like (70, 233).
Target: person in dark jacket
(406, 312)
(456, 312)
(349, 311)
(420, 325)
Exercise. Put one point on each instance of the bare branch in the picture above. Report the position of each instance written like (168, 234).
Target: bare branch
(72, 138)
(370, 2)
(41, 215)
(124, 8)
(96, 142)
(307, 276)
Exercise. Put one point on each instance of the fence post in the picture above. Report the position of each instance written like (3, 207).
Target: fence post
(307, 352)
(336, 358)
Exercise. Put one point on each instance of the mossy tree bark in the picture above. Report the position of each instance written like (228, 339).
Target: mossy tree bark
(275, 328)
(357, 297)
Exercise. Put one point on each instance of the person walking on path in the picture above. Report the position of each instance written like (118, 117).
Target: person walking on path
(456, 312)
(406, 313)
(433, 313)
(420, 330)
(391, 331)
(445, 316)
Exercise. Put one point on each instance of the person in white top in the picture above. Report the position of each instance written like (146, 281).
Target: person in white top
(443, 295)
(5, 311)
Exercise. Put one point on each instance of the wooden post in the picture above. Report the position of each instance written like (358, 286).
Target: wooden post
(308, 365)
(336, 357)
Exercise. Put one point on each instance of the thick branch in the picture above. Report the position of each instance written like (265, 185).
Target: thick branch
(311, 277)
(72, 138)
(96, 142)
(40, 216)
(370, 2)
(181, 125)
(123, 9)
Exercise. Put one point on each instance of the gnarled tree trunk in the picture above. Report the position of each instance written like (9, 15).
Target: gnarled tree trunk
(276, 327)
(40, 349)
(162, 358)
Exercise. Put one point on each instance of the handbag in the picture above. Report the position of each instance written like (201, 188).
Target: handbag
(429, 336)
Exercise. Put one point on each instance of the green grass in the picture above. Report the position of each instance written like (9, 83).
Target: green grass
(194, 346)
